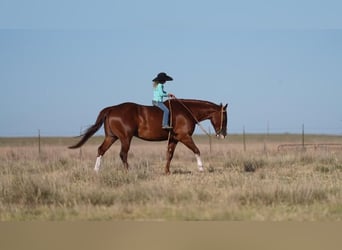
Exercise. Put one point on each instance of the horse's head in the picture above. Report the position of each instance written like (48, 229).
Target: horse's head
(219, 121)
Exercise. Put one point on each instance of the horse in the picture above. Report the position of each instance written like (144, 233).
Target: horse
(127, 120)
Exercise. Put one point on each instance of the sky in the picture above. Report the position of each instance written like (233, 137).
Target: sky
(276, 63)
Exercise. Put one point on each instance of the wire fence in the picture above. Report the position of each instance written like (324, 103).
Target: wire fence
(244, 133)
(58, 132)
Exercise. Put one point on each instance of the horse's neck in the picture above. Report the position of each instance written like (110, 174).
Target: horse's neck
(200, 109)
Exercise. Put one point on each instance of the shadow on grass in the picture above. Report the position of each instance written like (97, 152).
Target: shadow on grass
(181, 172)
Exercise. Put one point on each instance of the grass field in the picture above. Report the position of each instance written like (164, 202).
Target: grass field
(259, 184)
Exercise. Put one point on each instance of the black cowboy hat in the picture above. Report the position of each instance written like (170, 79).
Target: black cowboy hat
(162, 77)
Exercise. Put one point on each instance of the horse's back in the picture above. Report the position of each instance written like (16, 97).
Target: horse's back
(122, 115)
(138, 120)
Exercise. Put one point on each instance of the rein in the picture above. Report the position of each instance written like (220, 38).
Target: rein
(197, 122)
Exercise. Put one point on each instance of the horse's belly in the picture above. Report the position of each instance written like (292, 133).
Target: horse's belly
(153, 136)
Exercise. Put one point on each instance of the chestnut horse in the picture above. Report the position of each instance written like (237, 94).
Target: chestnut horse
(126, 120)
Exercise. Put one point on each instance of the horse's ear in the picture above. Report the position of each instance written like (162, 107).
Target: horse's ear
(225, 106)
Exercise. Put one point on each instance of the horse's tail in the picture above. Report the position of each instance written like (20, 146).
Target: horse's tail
(93, 129)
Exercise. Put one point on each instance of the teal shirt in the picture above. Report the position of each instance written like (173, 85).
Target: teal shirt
(159, 93)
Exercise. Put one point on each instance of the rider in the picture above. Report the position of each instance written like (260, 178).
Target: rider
(159, 93)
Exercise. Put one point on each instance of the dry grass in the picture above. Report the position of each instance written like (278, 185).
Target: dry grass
(257, 185)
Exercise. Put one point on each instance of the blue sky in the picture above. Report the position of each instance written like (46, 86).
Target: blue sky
(277, 63)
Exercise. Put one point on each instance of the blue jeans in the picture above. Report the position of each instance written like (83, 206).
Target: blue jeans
(165, 110)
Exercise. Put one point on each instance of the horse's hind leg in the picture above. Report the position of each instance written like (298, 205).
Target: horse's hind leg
(108, 141)
(125, 145)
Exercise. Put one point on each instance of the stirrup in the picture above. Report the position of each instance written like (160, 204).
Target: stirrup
(167, 127)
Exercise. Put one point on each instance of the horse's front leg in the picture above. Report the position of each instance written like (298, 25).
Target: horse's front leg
(188, 141)
(169, 154)
(125, 145)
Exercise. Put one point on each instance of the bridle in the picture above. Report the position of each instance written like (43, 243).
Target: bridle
(221, 123)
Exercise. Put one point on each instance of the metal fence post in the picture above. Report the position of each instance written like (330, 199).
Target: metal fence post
(244, 139)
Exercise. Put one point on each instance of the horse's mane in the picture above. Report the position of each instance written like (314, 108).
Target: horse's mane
(195, 101)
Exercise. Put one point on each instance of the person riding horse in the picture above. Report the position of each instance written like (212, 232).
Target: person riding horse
(158, 94)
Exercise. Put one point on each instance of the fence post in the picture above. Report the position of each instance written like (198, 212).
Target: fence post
(303, 142)
(266, 137)
(209, 139)
(81, 147)
(39, 142)
(244, 139)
